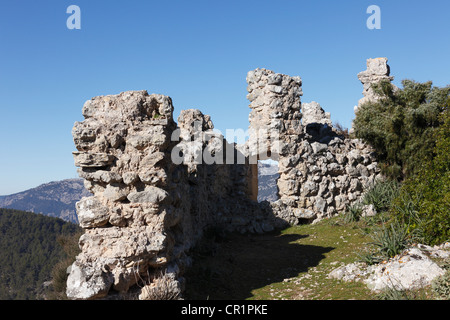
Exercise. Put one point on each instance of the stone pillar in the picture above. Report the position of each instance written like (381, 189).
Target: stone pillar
(123, 153)
(377, 70)
(275, 128)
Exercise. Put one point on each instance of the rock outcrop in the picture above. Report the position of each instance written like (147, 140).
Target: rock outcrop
(412, 269)
(54, 199)
(157, 185)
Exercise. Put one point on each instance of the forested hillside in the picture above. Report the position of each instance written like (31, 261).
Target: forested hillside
(29, 249)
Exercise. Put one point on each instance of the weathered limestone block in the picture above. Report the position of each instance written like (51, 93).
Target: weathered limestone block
(130, 177)
(125, 244)
(91, 212)
(313, 113)
(153, 136)
(115, 192)
(92, 160)
(149, 195)
(87, 282)
(412, 269)
(319, 147)
(101, 176)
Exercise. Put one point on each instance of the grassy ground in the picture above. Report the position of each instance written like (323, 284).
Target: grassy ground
(290, 264)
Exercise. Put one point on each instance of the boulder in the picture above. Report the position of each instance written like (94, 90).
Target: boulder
(87, 282)
(412, 269)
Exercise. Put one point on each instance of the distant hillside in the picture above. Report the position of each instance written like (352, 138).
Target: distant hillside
(29, 250)
(55, 199)
(267, 182)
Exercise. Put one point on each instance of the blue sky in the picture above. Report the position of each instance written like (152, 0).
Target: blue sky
(196, 52)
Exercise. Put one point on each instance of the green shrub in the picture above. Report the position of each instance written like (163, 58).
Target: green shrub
(353, 213)
(409, 129)
(390, 240)
(400, 125)
(381, 194)
(424, 199)
(369, 257)
(441, 286)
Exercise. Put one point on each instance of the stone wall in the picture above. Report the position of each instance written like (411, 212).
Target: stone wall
(157, 185)
(154, 194)
(321, 171)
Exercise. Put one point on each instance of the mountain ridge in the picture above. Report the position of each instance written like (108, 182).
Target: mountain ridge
(54, 199)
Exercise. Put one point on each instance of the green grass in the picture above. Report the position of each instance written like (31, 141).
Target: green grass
(291, 264)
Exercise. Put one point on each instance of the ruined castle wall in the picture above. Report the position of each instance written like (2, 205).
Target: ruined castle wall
(123, 154)
(156, 187)
(321, 171)
(157, 184)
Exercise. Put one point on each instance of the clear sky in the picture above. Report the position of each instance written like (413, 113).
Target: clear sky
(196, 52)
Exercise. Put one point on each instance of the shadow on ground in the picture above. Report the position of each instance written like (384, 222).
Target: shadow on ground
(231, 267)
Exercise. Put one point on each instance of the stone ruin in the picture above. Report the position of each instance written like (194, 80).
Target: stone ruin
(157, 185)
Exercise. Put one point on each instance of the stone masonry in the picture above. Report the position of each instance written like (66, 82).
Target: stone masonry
(152, 195)
(321, 171)
(157, 185)
(377, 70)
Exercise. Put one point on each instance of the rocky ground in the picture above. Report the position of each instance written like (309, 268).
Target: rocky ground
(413, 269)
